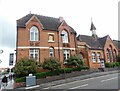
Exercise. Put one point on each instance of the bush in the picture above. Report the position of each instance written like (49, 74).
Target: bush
(74, 61)
(108, 65)
(117, 64)
(24, 67)
(22, 79)
(111, 65)
(40, 75)
(51, 64)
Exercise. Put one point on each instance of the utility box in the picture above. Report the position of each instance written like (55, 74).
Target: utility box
(30, 81)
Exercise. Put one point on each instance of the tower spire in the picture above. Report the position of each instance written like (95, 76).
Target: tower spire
(93, 29)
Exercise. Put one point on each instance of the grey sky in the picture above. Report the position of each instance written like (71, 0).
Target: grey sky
(77, 14)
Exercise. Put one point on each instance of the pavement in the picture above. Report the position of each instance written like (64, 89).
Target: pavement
(10, 83)
(54, 83)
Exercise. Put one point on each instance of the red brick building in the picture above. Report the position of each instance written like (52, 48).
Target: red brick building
(40, 37)
(117, 44)
(94, 49)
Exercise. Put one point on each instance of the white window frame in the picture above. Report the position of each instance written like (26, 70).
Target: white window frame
(64, 36)
(51, 53)
(98, 57)
(94, 57)
(108, 55)
(34, 33)
(34, 52)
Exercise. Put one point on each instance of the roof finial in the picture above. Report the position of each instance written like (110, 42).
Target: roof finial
(30, 12)
(91, 20)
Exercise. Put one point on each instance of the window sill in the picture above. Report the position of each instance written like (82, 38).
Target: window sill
(51, 41)
(96, 62)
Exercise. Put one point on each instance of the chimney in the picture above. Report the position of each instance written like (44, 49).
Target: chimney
(61, 19)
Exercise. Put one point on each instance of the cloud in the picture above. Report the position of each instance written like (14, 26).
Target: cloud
(7, 33)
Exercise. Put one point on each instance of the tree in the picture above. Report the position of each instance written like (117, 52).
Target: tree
(24, 67)
(51, 64)
(75, 61)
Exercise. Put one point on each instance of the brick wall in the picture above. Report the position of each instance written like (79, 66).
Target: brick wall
(24, 44)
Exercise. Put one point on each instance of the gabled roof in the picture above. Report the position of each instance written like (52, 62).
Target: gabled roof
(117, 43)
(102, 40)
(92, 42)
(47, 22)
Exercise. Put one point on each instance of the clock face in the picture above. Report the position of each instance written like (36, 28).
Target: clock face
(1, 51)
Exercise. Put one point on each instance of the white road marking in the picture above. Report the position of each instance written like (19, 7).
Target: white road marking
(109, 79)
(32, 87)
(79, 86)
(67, 83)
(74, 82)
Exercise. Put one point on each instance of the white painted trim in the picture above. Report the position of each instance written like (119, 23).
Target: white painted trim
(51, 41)
(27, 47)
(64, 48)
(51, 33)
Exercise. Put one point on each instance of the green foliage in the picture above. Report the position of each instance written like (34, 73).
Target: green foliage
(51, 64)
(108, 65)
(112, 65)
(24, 67)
(22, 79)
(74, 61)
(52, 73)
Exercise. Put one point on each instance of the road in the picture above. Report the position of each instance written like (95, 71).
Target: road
(109, 81)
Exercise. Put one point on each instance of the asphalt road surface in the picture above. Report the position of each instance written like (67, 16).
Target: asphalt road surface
(110, 81)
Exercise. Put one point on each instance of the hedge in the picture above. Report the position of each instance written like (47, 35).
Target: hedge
(52, 73)
(112, 65)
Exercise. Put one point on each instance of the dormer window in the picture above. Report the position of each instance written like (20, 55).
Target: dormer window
(34, 33)
(64, 36)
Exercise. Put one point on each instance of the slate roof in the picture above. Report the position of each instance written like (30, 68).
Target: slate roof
(102, 40)
(117, 43)
(47, 22)
(92, 42)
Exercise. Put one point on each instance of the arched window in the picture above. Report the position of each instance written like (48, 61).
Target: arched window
(115, 55)
(64, 36)
(98, 56)
(51, 53)
(34, 33)
(111, 53)
(108, 56)
(93, 57)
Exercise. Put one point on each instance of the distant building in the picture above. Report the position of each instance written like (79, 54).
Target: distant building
(11, 59)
